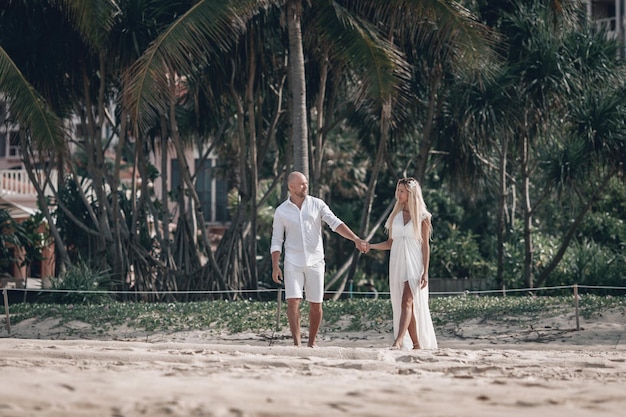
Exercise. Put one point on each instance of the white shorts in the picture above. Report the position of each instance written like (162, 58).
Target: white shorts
(309, 279)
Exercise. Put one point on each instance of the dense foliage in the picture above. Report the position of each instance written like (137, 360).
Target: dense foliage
(512, 115)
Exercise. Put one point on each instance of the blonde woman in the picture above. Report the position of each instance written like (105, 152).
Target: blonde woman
(409, 228)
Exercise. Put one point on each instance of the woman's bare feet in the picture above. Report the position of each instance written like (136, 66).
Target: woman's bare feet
(396, 346)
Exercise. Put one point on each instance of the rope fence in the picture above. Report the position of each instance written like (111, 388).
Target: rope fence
(274, 290)
(278, 290)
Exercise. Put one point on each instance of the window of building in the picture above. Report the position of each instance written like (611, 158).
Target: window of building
(3, 145)
(14, 144)
(212, 190)
(10, 144)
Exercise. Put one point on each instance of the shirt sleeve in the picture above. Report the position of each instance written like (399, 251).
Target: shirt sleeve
(278, 233)
(329, 217)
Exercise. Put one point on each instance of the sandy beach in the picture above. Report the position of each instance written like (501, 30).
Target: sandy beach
(480, 369)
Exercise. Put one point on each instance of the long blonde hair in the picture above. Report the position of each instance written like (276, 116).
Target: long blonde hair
(417, 207)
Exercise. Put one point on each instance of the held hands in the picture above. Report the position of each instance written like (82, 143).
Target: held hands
(362, 245)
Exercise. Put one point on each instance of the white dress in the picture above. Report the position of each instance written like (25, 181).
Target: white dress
(406, 264)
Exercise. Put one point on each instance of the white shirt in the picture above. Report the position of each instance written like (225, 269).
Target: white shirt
(301, 230)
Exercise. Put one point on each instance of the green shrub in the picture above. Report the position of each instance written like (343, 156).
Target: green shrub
(79, 284)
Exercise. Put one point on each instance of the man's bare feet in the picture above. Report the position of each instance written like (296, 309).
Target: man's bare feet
(416, 346)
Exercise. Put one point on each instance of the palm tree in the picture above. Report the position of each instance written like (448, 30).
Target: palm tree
(442, 40)
(533, 32)
(28, 107)
(592, 150)
(220, 22)
(370, 71)
(216, 25)
(485, 117)
(82, 79)
(549, 57)
(40, 126)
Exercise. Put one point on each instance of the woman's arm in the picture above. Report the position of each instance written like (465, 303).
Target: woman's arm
(425, 251)
(386, 245)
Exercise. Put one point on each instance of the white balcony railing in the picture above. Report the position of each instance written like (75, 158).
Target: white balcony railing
(608, 24)
(15, 182)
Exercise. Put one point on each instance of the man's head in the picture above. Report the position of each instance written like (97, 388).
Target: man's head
(297, 184)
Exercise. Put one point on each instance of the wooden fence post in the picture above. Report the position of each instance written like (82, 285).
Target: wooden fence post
(6, 308)
(576, 304)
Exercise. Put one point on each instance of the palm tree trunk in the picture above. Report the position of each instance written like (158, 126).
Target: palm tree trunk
(165, 213)
(185, 174)
(385, 115)
(427, 136)
(297, 87)
(318, 150)
(369, 197)
(500, 214)
(120, 266)
(254, 174)
(528, 243)
(60, 250)
(95, 160)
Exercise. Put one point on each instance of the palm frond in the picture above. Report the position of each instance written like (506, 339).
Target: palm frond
(565, 165)
(378, 67)
(599, 119)
(28, 107)
(215, 24)
(93, 18)
(444, 25)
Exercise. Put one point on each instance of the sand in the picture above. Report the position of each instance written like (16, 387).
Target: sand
(480, 369)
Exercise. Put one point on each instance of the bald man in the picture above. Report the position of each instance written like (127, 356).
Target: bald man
(298, 227)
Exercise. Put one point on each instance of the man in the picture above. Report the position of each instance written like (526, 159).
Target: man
(298, 225)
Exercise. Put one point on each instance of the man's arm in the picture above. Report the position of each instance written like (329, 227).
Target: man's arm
(338, 226)
(347, 233)
(276, 245)
(277, 274)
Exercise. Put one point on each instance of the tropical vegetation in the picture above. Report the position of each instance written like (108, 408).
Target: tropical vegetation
(511, 113)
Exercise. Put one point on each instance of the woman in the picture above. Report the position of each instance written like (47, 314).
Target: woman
(409, 230)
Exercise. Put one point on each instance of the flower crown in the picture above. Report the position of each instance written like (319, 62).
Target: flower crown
(410, 183)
